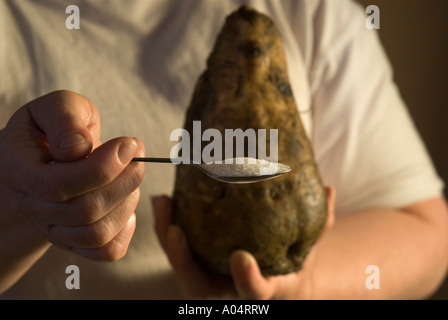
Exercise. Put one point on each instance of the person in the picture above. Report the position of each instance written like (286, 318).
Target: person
(72, 197)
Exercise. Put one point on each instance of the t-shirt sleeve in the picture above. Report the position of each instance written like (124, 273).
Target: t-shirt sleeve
(364, 139)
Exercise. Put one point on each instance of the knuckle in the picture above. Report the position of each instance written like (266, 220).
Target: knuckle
(117, 247)
(102, 175)
(49, 189)
(98, 234)
(128, 205)
(112, 252)
(88, 208)
(62, 93)
(137, 176)
(135, 197)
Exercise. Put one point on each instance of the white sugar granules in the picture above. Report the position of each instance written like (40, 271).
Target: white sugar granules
(245, 167)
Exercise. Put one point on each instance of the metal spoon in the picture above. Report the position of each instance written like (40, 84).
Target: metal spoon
(227, 179)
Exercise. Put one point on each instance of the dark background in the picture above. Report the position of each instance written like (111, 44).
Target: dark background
(415, 36)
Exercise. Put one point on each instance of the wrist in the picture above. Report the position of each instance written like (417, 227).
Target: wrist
(306, 276)
(20, 244)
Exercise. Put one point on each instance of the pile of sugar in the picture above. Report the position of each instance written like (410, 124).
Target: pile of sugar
(247, 167)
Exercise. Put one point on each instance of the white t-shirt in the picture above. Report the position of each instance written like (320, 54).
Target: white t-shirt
(138, 61)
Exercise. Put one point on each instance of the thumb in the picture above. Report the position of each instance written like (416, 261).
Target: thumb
(247, 278)
(70, 123)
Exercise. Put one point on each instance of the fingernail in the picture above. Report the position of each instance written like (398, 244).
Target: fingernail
(244, 259)
(126, 151)
(70, 140)
(140, 152)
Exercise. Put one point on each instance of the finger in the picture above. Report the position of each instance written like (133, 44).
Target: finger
(84, 209)
(99, 233)
(43, 126)
(63, 181)
(248, 280)
(70, 122)
(331, 198)
(113, 250)
(162, 209)
(184, 265)
(196, 282)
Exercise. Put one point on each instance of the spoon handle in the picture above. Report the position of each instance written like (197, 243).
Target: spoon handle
(160, 160)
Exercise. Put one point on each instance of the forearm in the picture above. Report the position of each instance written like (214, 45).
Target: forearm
(19, 250)
(20, 245)
(408, 246)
